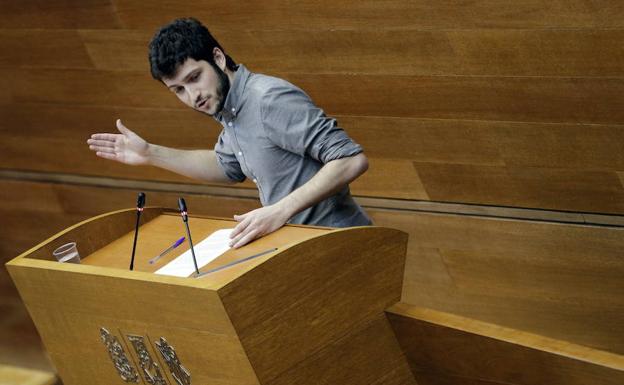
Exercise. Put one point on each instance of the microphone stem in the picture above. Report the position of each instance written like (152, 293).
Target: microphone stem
(136, 234)
(188, 234)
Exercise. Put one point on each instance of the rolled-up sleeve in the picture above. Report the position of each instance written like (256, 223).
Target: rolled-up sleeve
(292, 121)
(227, 160)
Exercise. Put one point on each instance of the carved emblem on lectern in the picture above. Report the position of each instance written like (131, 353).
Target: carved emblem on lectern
(151, 370)
(179, 373)
(118, 356)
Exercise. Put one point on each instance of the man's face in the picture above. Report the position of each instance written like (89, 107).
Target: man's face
(200, 85)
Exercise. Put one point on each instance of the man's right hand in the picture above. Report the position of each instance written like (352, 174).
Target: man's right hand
(125, 147)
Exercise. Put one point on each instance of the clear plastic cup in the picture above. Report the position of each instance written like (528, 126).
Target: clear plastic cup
(67, 253)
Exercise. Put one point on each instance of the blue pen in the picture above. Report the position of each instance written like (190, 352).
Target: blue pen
(178, 243)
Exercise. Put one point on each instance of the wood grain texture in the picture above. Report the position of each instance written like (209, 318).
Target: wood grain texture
(42, 48)
(526, 99)
(22, 376)
(342, 313)
(384, 177)
(308, 296)
(35, 211)
(58, 14)
(69, 304)
(556, 280)
(436, 342)
(492, 52)
(594, 191)
(21, 345)
(355, 358)
(395, 15)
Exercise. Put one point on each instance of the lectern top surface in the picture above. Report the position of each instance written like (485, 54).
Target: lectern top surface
(161, 232)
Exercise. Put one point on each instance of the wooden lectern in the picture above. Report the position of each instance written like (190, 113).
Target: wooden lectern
(310, 312)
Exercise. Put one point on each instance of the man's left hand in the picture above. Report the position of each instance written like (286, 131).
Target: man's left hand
(256, 224)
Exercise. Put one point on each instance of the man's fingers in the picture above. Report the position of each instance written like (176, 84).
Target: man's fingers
(106, 149)
(104, 136)
(106, 155)
(239, 228)
(123, 129)
(239, 218)
(246, 239)
(100, 143)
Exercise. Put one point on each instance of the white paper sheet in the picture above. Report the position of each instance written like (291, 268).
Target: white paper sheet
(206, 251)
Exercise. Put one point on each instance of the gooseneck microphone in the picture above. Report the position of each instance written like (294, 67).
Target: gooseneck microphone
(140, 205)
(182, 206)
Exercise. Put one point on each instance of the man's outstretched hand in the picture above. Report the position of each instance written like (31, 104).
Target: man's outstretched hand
(257, 223)
(125, 147)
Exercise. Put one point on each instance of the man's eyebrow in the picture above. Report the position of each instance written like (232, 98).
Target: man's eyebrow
(188, 75)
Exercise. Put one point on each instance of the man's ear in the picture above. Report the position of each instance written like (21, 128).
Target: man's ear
(219, 58)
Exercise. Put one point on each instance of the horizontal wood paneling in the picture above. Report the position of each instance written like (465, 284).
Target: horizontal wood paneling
(589, 147)
(481, 353)
(577, 100)
(560, 281)
(369, 14)
(552, 166)
(414, 52)
(593, 191)
(42, 48)
(90, 87)
(524, 99)
(52, 14)
(35, 211)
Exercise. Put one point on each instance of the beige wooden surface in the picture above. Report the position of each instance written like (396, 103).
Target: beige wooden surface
(551, 279)
(557, 280)
(298, 314)
(317, 300)
(446, 346)
(483, 102)
(12, 375)
(69, 303)
(478, 102)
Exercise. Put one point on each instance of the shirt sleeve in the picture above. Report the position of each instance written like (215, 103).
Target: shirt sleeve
(292, 121)
(227, 160)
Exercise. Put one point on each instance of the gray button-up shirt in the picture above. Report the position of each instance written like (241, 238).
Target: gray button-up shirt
(274, 135)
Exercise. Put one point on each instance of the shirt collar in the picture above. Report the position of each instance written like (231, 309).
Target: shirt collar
(234, 98)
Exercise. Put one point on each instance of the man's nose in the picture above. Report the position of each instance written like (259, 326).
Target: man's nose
(193, 95)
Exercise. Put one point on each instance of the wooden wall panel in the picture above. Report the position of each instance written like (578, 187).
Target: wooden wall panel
(408, 53)
(35, 211)
(526, 99)
(594, 191)
(444, 345)
(90, 87)
(370, 14)
(553, 279)
(557, 280)
(385, 177)
(557, 100)
(42, 48)
(118, 50)
(54, 14)
(556, 166)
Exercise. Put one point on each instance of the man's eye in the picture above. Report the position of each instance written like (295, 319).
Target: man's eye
(194, 77)
(178, 90)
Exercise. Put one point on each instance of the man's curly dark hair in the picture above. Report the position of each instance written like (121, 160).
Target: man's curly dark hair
(179, 40)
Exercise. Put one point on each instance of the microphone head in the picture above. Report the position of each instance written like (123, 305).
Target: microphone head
(141, 200)
(182, 205)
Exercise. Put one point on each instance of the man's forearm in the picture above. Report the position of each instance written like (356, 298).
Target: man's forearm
(196, 164)
(332, 177)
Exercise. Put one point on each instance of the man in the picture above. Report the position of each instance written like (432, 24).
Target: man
(272, 133)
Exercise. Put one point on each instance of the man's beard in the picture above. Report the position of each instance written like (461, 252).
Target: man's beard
(223, 88)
